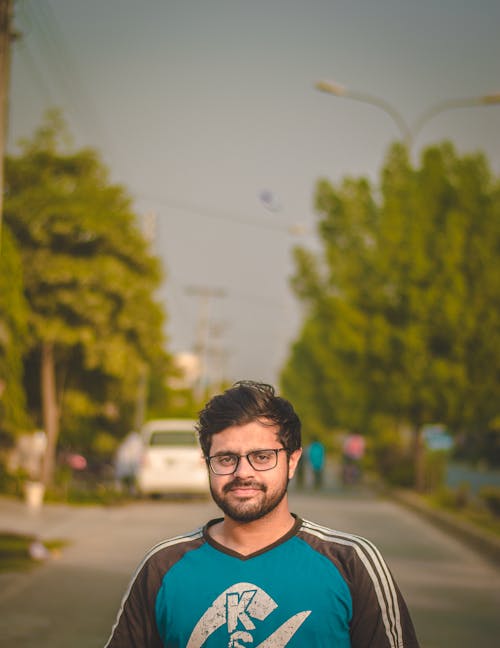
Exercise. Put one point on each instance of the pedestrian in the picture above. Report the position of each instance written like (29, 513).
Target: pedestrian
(260, 575)
(316, 455)
(353, 450)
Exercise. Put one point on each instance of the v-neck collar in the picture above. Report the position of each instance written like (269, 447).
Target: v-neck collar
(235, 554)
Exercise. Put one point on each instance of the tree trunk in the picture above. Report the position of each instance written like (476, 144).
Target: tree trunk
(49, 411)
(419, 455)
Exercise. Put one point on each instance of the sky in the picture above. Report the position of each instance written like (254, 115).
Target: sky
(206, 112)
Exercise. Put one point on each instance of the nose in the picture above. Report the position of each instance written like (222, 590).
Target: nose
(243, 468)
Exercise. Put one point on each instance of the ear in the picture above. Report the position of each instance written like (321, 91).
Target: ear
(293, 462)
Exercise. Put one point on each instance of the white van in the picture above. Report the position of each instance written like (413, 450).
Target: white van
(171, 459)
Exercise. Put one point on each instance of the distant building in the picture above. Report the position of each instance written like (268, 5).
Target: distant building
(189, 368)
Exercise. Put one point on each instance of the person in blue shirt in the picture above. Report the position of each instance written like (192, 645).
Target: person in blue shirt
(260, 576)
(316, 455)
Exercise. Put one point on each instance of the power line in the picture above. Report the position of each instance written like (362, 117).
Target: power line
(203, 343)
(24, 49)
(61, 61)
(197, 210)
(56, 69)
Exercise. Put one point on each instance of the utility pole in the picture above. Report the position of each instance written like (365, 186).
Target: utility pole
(201, 347)
(148, 227)
(218, 355)
(6, 36)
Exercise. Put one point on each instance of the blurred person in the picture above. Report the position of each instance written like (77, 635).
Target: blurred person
(316, 456)
(353, 450)
(260, 575)
(126, 460)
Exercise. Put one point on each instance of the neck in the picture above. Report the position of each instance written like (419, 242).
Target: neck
(248, 537)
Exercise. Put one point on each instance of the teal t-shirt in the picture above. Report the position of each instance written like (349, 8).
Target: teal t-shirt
(313, 588)
(288, 595)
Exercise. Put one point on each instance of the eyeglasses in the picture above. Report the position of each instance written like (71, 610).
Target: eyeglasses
(227, 464)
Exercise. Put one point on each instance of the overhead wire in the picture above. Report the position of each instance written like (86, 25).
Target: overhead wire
(59, 66)
(36, 75)
(197, 210)
(56, 73)
(63, 73)
(23, 50)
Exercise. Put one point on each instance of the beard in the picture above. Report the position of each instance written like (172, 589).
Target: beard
(251, 508)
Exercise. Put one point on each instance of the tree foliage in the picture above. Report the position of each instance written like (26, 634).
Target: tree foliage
(13, 329)
(403, 303)
(89, 280)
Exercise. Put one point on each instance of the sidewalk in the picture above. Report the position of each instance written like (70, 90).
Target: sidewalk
(46, 522)
(50, 522)
(485, 543)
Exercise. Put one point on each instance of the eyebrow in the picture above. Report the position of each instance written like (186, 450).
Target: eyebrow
(233, 452)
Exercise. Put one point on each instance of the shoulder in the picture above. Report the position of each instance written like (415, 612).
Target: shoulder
(177, 545)
(348, 551)
(319, 534)
(147, 578)
(164, 555)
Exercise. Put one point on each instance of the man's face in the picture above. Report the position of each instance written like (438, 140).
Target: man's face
(249, 494)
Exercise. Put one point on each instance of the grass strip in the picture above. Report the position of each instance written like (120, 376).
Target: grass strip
(16, 551)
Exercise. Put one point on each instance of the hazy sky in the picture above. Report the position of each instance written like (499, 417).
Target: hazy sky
(199, 107)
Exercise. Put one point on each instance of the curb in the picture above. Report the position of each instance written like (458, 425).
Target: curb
(485, 543)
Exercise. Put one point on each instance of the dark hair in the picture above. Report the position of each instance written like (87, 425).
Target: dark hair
(247, 401)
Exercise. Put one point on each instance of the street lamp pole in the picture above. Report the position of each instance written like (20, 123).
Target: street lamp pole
(408, 133)
(451, 104)
(330, 87)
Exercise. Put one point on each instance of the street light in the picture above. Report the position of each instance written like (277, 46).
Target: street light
(408, 132)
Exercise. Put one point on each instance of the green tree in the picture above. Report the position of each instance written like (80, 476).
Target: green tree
(13, 329)
(89, 279)
(402, 314)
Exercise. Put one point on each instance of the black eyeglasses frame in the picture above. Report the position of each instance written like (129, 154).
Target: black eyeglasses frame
(247, 457)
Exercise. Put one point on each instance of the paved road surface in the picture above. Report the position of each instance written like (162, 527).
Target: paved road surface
(454, 596)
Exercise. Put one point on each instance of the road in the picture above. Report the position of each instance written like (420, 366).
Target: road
(453, 595)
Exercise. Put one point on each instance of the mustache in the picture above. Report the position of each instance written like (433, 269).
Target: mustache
(243, 483)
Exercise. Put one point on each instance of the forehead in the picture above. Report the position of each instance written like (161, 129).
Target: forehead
(244, 438)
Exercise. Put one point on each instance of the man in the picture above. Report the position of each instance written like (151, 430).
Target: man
(260, 576)
(316, 454)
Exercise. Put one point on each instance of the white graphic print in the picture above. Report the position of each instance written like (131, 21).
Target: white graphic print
(237, 608)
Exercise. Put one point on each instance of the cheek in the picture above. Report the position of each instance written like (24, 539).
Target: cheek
(217, 482)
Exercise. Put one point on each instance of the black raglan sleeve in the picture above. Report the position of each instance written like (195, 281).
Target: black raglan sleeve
(135, 625)
(380, 615)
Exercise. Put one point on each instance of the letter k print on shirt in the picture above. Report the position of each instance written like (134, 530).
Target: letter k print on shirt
(241, 605)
